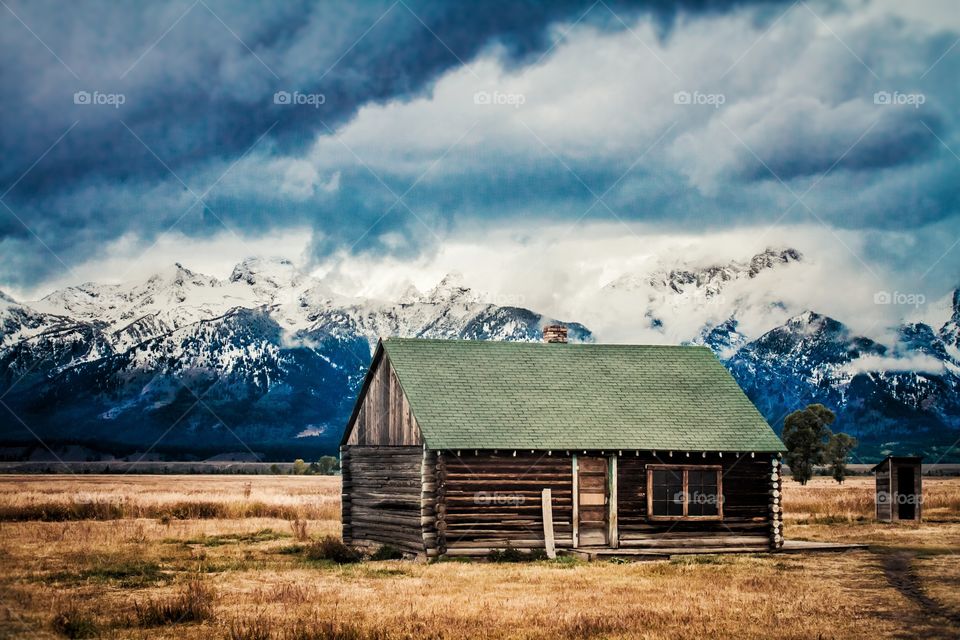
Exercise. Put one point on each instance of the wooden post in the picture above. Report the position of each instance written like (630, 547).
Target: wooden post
(576, 503)
(546, 502)
(613, 535)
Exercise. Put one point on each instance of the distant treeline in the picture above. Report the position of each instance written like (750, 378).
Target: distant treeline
(172, 468)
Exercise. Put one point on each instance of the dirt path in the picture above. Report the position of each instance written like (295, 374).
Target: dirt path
(900, 573)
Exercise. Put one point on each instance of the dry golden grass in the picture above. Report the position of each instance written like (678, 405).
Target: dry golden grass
(823, 497)
(107, 497)
(258, 580)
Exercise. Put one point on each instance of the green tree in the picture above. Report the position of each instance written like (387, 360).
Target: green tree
(805, 433)
(327, 464)
(299, 467)
(838, 450)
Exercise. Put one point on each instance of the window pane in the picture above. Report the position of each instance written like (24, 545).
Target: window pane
(704, 500)
(667, 492)
(701, 498)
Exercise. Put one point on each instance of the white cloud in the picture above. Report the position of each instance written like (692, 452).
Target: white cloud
(917, 363)
(132, 258)
(560, 270)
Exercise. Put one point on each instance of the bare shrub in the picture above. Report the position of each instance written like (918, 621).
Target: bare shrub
(299, 527)
(258, 628)
(71, 622)
(386, 552)
(194, 603)
(333, 549)
(331, 630)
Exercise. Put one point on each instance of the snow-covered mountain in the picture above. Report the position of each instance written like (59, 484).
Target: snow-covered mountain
(269, 360)
(904, 399)
(677, 301)
(707, 281)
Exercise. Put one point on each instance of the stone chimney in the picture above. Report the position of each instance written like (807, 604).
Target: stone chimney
(555, 333)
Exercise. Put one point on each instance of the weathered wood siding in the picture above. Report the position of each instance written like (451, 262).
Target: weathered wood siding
(384, 417)
(492, 501)
(884, 494)
(383, 496)
(749, 488)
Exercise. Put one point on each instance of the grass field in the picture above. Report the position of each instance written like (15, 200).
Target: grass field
(229, 557)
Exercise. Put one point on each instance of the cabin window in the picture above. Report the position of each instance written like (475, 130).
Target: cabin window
(680, 492)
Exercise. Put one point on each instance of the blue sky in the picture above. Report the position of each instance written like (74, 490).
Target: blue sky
(405, 134)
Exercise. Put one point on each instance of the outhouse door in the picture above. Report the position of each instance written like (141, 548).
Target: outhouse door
(905, 501)
(594, 499)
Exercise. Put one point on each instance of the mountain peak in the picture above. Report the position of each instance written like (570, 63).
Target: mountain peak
(810, 321)
(708, 279)
(769, 258)
(269, 272)
(6, 299)
(410, 295)
(451, 287)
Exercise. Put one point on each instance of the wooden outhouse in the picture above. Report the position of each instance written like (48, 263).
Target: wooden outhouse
(461, 447)
(899, 488)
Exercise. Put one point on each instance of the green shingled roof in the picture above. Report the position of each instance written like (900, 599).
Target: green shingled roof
(513, 395)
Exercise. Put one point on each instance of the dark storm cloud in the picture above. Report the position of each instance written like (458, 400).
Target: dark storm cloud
(198, 79)
(198, 82)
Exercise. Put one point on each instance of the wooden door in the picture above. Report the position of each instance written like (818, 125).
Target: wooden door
(593, 501)
(905, 500)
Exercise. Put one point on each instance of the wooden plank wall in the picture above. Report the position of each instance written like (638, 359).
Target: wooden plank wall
(346, 483)
(884, 503)
(492, 501)
(383, 496)
(384, 417)
(747, 490)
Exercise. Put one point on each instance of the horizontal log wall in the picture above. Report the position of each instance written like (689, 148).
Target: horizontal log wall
(383, 496)
(493, 501)
(748, 487)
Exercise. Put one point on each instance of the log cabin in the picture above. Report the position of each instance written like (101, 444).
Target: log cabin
(458, 448)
